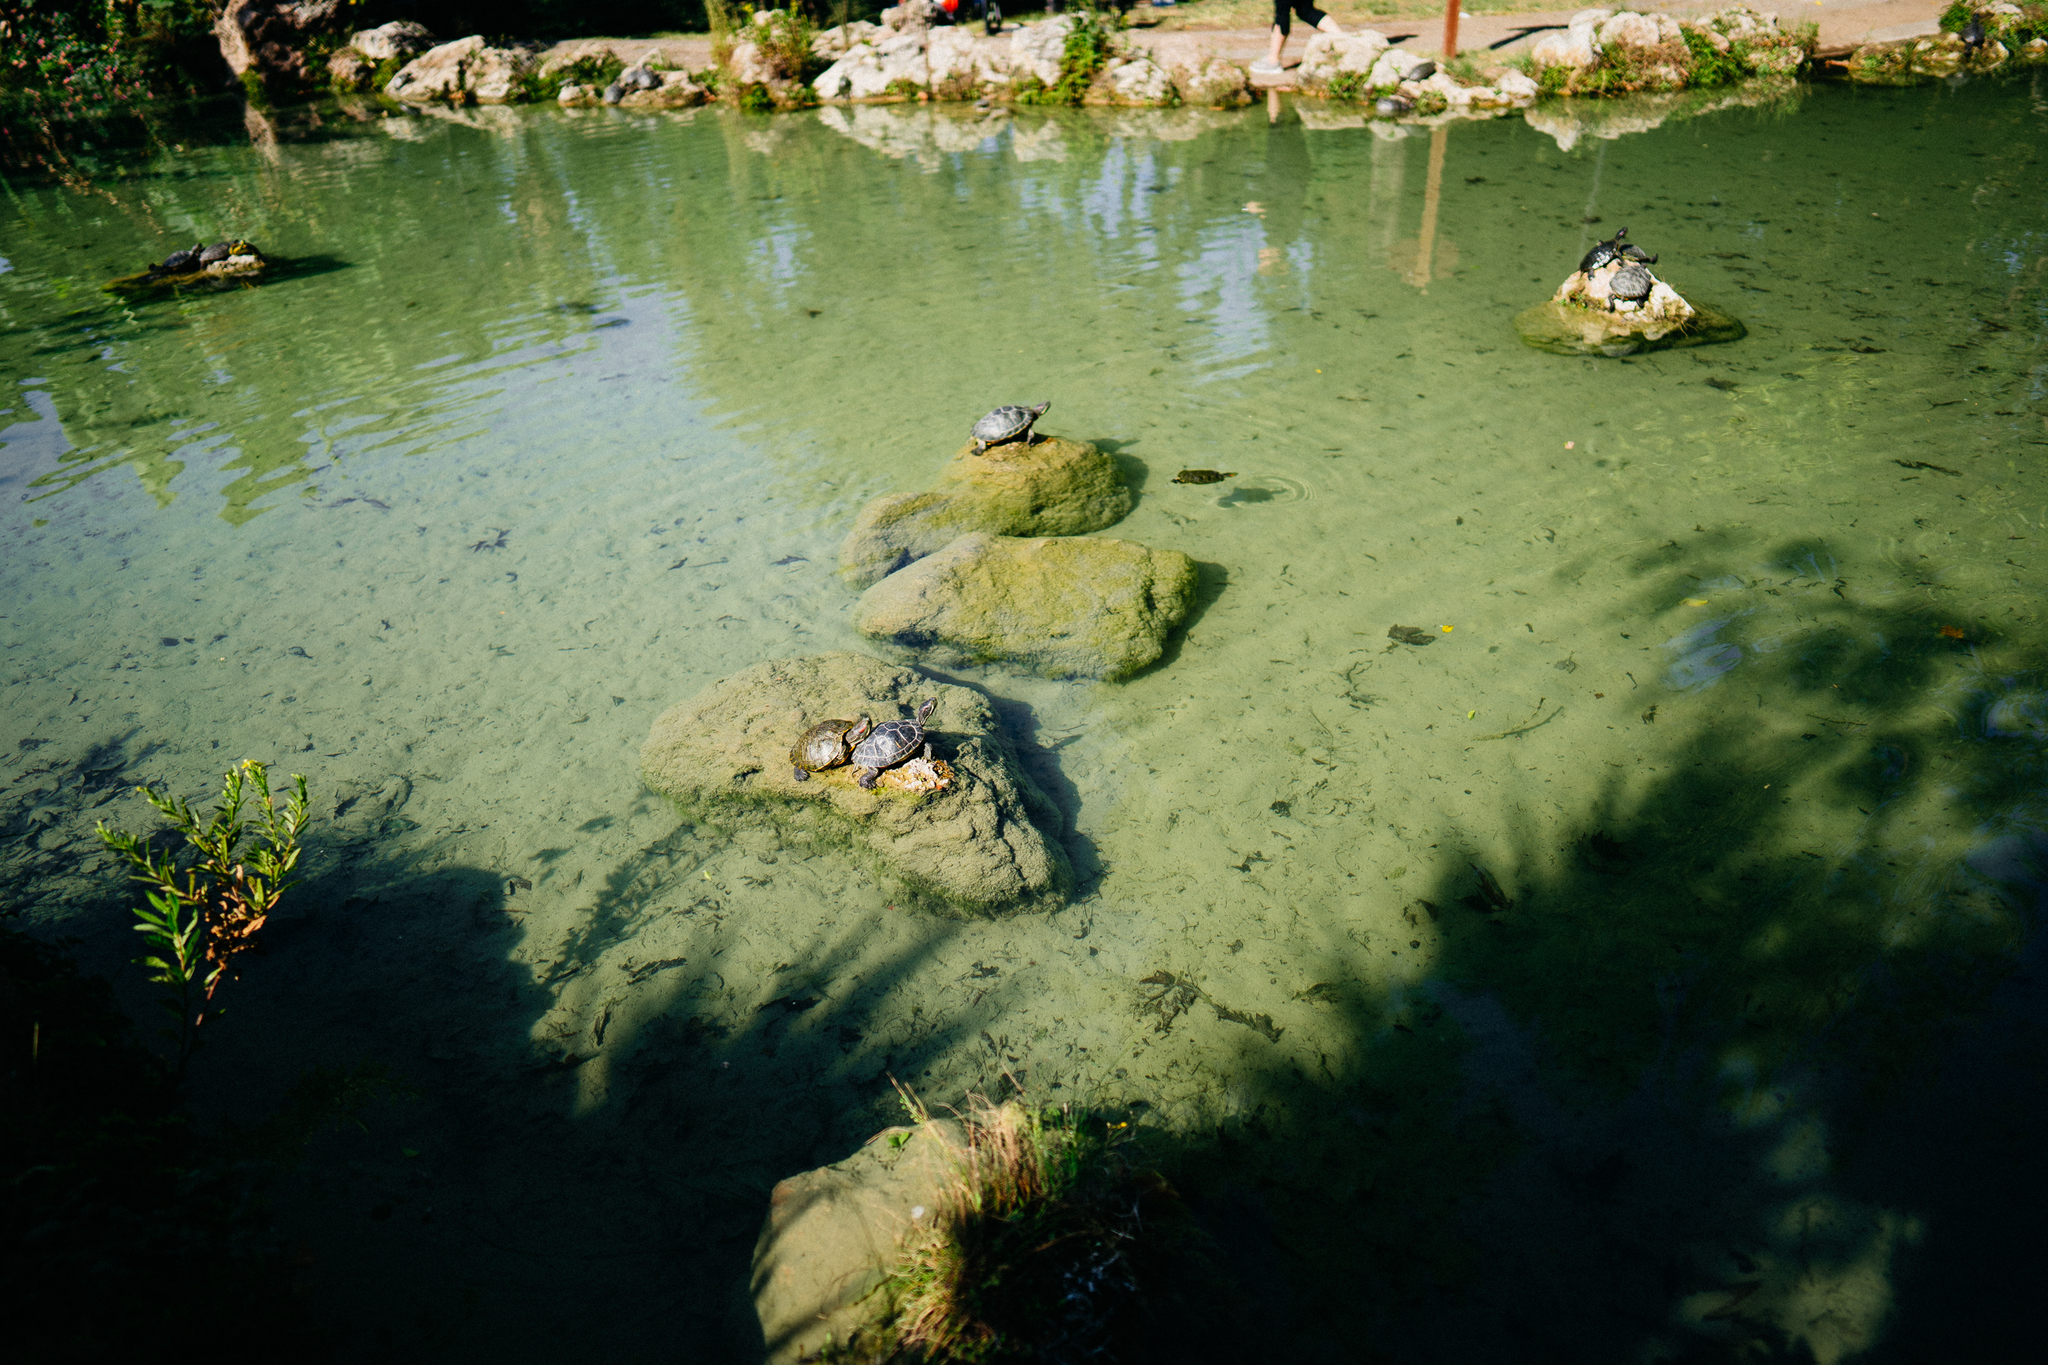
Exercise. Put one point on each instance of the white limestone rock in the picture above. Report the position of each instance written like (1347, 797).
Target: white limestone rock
(1035, 49)
(399, 38)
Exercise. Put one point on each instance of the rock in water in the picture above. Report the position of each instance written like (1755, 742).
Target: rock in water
(986, 843)
(834, 1234)
(1619, 307)
(1074, 607)
(1052, 487)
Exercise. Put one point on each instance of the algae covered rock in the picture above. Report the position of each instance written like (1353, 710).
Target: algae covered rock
(984, 844)
(834, 1234)
(1073, 607)
(1052, 487)
(1568, 328)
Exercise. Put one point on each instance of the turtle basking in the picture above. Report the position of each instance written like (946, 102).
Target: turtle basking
(1007, 424)
(1204, 475)
(890, 743)
(827, 745)
(1615, 249)
(1631, 284)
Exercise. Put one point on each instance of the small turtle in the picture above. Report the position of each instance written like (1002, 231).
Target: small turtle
(890, 743)
(221, 251)
(1391, 104)
(1615, 249)
(1007, 424)
(1204, 475)
(827, 745)
(1631, 283)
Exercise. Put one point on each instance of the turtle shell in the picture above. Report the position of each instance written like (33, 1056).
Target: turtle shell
(1007, 423)
(1632, 282)
(892, 741)
(824, 745)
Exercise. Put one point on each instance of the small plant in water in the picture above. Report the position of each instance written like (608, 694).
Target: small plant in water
(205, 913)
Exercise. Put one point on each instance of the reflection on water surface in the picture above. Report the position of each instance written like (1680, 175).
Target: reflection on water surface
(1654, 915)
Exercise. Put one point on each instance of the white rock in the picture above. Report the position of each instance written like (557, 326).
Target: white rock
(1631, 30)
(399, 38)
(436, 74)
(1591, 18)
(1394, 66)
(1331, 53)
(1142, 81)
(954, 54)
(834, 43)
(1573, 48)
(494, 73)
(1217, 84)
(1035, 49)
(1517, 87)
(748, 64)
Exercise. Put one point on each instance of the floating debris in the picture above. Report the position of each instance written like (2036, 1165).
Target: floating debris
(1204, 475)
(1409, 635)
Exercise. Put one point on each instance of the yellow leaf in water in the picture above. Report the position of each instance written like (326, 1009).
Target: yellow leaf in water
(1445, 629)
(1695, 601)
(1470, 714)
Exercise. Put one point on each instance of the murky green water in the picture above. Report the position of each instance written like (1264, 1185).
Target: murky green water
(1736, 698)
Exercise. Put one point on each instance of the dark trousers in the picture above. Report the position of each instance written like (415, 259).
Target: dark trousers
(1283, 21)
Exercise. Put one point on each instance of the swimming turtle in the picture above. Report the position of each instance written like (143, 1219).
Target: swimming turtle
(1204, 475)
(890, 743)
(1631, 283)
(1007, 424)
(826, 745)
(1615, 249)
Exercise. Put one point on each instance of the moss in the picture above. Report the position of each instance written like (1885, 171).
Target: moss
(1431, 102)
(1958, 14)
(1349, 86)
(755, 98)
(1710, 65)
(253, 88)
(597, 71)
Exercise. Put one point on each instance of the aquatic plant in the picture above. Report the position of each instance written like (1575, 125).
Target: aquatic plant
(1710, 65)
(203, 915)
(1033, 1248)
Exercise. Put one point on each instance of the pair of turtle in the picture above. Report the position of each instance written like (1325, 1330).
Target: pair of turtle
(199, 256)
(1632, 282)
(870, 748)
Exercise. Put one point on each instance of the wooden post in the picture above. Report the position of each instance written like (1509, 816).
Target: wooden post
(1450, 29)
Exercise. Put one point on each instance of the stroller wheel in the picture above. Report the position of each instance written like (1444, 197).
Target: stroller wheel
(992, 19)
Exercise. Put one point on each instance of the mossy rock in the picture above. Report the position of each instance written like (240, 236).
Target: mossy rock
(1052, 487)
(1565, 329)
(1067, 607)
(987, 843)
(145, 284)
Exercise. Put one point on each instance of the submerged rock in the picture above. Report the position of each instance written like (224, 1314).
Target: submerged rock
(982, 844)
(1074, 607)
(1573, 326)
(833, 1235)
(1052, 487)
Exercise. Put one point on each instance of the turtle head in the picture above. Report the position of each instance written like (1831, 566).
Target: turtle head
(858, 731)
(1039, 411)
(926, 710)
(1620, 233)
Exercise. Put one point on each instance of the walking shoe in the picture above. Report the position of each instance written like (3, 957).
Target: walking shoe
(1265, 68)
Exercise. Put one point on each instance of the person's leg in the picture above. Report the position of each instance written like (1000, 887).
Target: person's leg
(1315, 18)
(1283, 23)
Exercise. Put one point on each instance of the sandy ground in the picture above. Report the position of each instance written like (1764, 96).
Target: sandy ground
(1184, 33)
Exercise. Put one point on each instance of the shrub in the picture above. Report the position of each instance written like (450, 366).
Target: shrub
(1090, 44)
(1710, 65)
(1350, 86)
(205, 913)
(1956, 16)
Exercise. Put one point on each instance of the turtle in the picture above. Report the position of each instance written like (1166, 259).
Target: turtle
(220, 251)
(1007, 424)
(180, 261)
(1392, 104)
(1204, 475)
(1615, 249)
(890, 743)
(826, 745)
(1631, 283)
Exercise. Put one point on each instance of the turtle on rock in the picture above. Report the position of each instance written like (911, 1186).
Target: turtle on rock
(1007, 424)
(891, 743)
(1631, 283)
(827, 745)
(1615, 249)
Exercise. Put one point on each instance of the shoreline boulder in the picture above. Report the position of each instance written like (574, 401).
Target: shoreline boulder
(1065, 607)
(1052, 487)
(986, 843)
(465, 71)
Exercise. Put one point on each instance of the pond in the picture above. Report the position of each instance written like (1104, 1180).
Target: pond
(1694, 1021)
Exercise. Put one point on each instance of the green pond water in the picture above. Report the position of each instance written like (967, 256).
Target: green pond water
(1636, 972)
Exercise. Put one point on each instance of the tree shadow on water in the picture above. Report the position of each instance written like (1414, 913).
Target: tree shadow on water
(1650, 1093)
